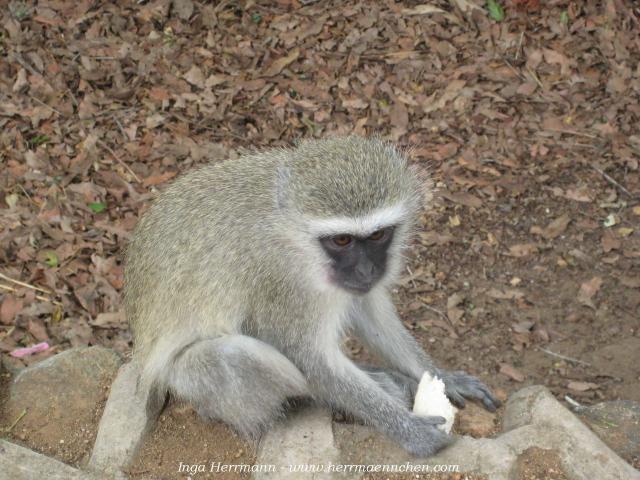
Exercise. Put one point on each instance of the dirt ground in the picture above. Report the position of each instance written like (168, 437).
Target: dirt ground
(182, 443)
(527, 268)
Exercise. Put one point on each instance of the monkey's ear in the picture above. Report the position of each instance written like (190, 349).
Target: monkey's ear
(426, 185)
(283, 176)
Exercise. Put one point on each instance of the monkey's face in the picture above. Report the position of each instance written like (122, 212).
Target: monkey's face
(358, 263)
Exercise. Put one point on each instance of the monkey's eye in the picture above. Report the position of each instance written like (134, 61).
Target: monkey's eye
(378, 235)
(342, 240)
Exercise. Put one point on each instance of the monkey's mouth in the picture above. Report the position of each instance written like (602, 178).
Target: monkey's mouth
(358, 288)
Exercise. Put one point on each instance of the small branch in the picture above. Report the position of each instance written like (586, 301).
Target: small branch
(576, 406)
(27, 285)
(10, 427)
(45, 105)
(444, 316)
(18, 58)
(572, 132)
(564, 357)
(121, 162)
(411, 277)
(39, 297)
(519, 45)
(612, 181)
(535, 77)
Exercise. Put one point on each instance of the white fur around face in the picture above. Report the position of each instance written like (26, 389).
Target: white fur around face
(361, 226)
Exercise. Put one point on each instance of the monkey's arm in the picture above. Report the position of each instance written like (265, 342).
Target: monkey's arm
(336, 381)
(378, 325)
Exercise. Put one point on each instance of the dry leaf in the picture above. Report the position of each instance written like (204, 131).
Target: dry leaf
(109, 320)
(158, 179)
(11, 306)
(507, 294)
(581, 386)
(588, 290)
(522, 250)
(631, 282)
(609, 242)
(523, 327)
(278, 65)
(453, 312)
(422, 10)
(556, 228)
(450, 92)
(463, 198)
(195, 76)
(512, 372)
(434, 238)
(581, 194)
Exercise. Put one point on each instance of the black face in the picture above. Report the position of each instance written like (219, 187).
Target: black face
(358, 262)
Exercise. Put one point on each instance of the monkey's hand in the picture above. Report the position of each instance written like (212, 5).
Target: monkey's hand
(459, 385)
(421, 436)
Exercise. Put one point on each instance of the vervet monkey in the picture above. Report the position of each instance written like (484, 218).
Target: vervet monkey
(243, 277)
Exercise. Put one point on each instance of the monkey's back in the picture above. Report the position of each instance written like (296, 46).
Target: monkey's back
(194, 251)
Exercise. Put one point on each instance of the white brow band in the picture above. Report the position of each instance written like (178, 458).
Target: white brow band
(359, 226)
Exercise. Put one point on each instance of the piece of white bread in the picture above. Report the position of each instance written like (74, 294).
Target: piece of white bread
(431, 401)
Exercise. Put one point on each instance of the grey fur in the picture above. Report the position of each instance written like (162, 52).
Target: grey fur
(230, 307)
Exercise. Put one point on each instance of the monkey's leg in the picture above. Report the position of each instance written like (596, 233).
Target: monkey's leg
(237, 379)
(396, 384)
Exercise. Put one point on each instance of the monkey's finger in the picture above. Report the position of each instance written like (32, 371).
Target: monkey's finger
(434, 420)
(490, 402)
(456, 399)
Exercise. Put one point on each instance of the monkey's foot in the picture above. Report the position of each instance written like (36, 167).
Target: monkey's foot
(460, 385)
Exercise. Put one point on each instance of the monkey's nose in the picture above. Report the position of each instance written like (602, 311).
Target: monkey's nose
(365, 271)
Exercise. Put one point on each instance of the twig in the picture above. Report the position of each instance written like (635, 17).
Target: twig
(411, 277)
(445, 317)
(18, 58)
(27, 285)
(127, 167)
(513, 69)
(535, 77)
(519, 44)
(435, 310)
(612, 181)
(39, 297)
(572, 132)
(124, 134)
(10, 427)
(564, 357)
(577, 406)
(45, 105)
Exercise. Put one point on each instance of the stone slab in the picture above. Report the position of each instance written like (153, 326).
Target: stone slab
(303, 439)
(533, 419)
(123, 425)
(19, 463)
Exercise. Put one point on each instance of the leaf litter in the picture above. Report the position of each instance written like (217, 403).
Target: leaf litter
(526, 121)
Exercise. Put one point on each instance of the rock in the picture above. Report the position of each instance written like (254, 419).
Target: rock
(582, 453)
(361, 445)
(11, 365)
(617, 423)
(475, 421)
(536, 463)
(305, 438)
(17, 462)
(540, 435)
(123, 425)
(62, 396)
